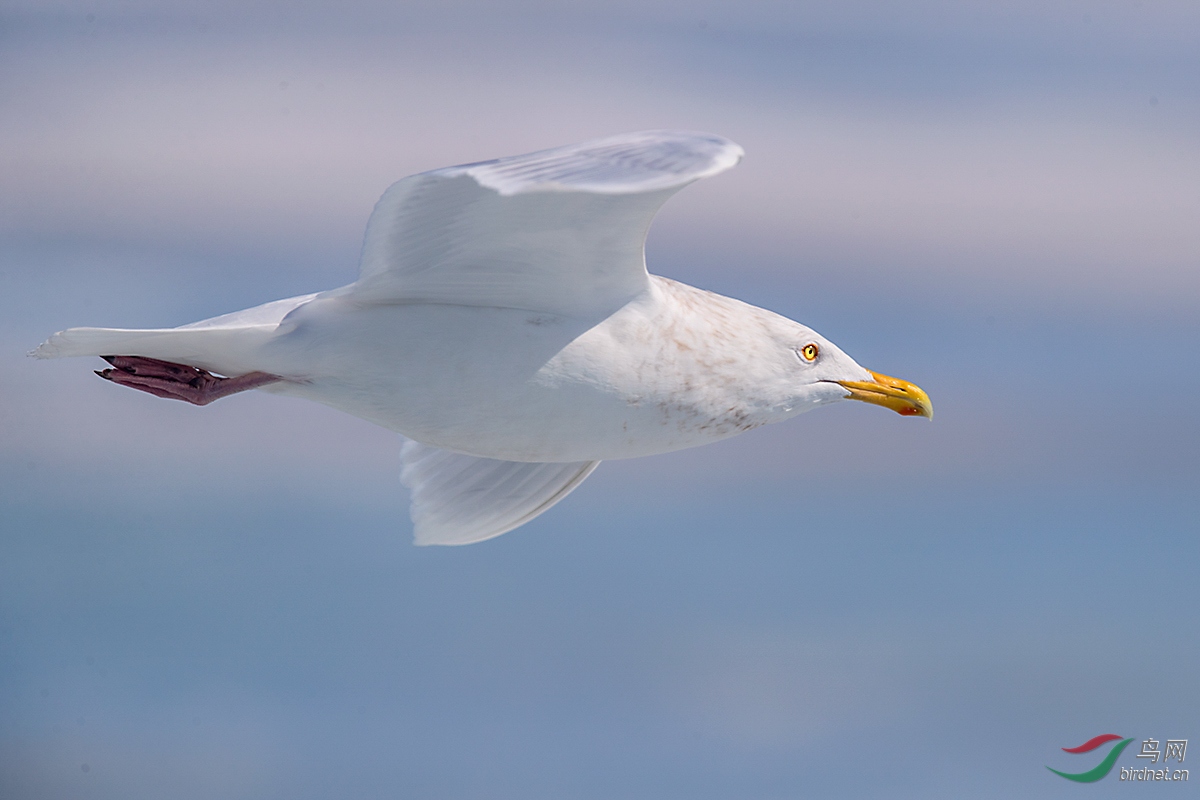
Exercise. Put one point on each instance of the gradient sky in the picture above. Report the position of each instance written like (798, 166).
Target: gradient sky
(999, 202)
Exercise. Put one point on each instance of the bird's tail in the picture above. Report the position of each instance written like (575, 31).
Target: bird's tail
(226, 351)
(225, 345)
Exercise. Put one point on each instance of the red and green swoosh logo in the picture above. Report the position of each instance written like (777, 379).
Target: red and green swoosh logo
(1101, 769)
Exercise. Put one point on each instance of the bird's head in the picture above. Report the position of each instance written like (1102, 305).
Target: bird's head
(782, 367)
(821, 373)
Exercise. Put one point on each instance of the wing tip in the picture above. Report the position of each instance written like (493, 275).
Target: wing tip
(625, 163)
(425, 535)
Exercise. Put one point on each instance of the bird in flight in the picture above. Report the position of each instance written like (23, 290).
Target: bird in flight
(504, 323)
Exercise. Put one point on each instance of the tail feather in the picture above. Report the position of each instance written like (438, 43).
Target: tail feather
(225, 345)
(226, 351)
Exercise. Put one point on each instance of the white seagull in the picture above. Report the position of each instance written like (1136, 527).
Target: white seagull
(504, 322)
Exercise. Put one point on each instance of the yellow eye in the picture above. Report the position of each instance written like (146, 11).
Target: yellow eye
(809, 352)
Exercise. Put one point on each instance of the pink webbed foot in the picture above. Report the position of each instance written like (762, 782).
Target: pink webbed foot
(178, 381)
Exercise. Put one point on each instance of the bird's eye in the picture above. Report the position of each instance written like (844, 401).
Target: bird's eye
(809, 352)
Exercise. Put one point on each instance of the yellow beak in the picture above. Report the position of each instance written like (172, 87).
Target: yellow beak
(900, 396)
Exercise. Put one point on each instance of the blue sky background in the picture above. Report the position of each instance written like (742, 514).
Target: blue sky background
(997, 201)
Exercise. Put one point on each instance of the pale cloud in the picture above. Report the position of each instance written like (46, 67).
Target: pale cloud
(1038, 177)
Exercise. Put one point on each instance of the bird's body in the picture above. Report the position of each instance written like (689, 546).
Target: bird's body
(670, 369)
(505, 324)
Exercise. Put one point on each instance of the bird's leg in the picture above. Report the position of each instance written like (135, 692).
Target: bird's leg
(178, 381)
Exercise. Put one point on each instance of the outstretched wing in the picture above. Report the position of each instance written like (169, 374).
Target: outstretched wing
(460, 499)
(560, 230)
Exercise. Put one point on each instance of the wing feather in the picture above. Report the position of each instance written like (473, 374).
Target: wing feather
(560, 230)
(460, 499)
